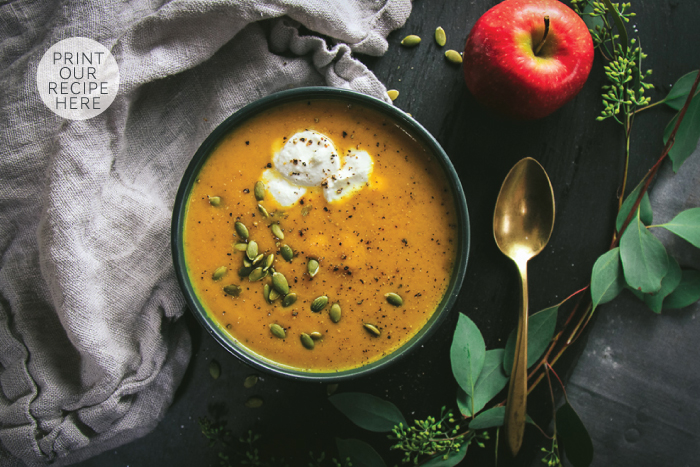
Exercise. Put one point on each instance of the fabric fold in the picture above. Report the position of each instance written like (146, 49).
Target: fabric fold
(91, 344)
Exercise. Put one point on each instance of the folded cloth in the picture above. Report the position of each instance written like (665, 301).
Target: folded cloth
(91, 348)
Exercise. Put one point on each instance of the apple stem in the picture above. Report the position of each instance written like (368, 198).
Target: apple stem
(544, 37)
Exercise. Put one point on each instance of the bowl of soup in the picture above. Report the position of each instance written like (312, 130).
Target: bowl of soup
(320, 234)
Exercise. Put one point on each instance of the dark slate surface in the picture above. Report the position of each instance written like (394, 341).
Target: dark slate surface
(636, 385)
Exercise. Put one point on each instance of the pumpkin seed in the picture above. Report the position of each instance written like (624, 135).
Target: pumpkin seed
(254, 403)
(219, 273)
(214, 369)
(279, 283)
(269, 261)
(453, 56)
(372, 329)
(319, 303)
(240, 246)
(266, 293)
(250, 381)
(289, 299)
(232, 290)
(214, 200)
(241, 230)
(277, 231)
(274, 295)
(440, 36)
(393, 94)
(312, 267)
(316, 335)
(245, 271)
(256, 275)
(410, 41)
(259, 191)
(394, 299)
(263, 211)
(247, 263)
(277, 331)
(258, 259)
(252, 251)
(335, 312)
(307, 341)
(287, 253)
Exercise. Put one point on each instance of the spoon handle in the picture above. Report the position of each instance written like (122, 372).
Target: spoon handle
(516, 409)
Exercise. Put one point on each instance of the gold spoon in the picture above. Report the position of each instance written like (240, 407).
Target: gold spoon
(522, 224)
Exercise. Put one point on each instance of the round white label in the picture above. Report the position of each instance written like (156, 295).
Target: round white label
(78, 78)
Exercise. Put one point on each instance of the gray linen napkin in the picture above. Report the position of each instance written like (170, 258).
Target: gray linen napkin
(638, 380)
(91, 348)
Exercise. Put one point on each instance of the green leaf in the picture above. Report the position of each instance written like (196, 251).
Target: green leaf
(619, 25)
(491, 381)
(467, 353)
(687, 135)
(668, 284)
(360, 453)
(679, 92)
(607, 278)
(574, 439)
(687, 292)
(453, 458)
(492, 418)
(686, 225)
(539, 334)
(645, 212)
(368, 411)
(644, 258)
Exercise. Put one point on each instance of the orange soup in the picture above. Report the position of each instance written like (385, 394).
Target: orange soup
(328, 285)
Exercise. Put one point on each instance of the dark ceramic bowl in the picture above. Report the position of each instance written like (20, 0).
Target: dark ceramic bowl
(409, 125)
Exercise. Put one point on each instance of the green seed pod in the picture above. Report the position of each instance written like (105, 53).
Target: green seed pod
(241, 230)
(219, 273)
(287, 253)
(319, 303)
(410, 41)
(394, 299)
(259, 191)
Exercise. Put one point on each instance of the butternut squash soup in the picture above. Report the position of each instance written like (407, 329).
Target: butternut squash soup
(319, 235)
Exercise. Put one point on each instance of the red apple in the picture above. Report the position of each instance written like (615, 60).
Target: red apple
(526, 58)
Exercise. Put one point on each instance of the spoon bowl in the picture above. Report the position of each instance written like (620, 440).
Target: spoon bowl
(522, 224)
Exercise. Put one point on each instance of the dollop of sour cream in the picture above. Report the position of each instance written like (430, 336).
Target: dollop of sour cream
(309, 159)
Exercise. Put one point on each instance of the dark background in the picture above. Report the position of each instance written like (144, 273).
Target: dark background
(639, 420)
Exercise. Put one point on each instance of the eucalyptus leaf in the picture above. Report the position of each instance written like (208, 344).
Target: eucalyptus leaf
(686, 225)
(574, 439)
(368, 411)
(491, 381)
(687, 135)
(669, 283)
(687, 292)
(539, 334)
(645, 212)
(360, 453)
(491, 418)
(644, 258)
(467, 354)
(619, 24)
(607, 278)
(679, 92)
(452, 459)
